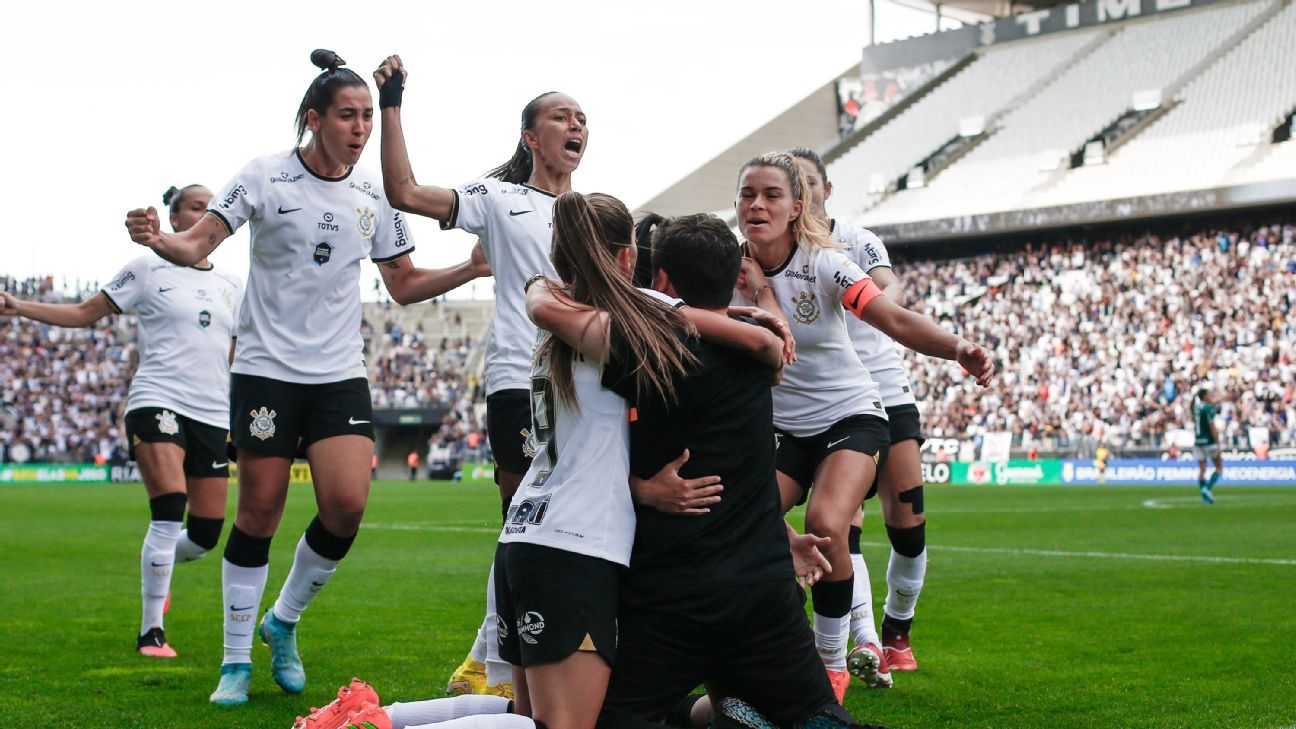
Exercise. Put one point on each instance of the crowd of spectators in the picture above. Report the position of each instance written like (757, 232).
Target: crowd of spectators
(1104, 341)
(409, 369)
(61, 390)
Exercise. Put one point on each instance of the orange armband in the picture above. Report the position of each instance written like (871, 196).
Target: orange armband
(859, 294)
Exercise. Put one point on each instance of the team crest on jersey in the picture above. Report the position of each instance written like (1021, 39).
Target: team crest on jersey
(365, 220)
(204, 318)
(263, 426)
(805, 310)
(167, 424)
(531, 626)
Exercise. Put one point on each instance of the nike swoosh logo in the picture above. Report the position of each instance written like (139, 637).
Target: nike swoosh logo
(515, 213)
(316, 584)
(163, 564)
(163, 291)
(219, 465)
(289, 210)
(353, 421)
(241, 609)
(830, 445)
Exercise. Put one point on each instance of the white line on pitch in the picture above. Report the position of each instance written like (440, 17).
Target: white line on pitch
(1103, 555)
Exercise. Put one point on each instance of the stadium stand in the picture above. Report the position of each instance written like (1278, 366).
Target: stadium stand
(1104, 336)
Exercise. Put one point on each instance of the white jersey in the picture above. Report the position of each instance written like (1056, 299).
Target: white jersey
(827, 382)
(300, 320)
(879, 353)
(576, 494)
(186, 322)
(515, 225)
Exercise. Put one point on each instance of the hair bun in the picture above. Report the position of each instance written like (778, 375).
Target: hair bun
(169, 195)
(326, 60)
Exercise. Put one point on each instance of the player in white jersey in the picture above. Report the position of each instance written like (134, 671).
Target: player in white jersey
(827, 410)
(177, 408)
(511, 212)
(900, 482)
(299, 385)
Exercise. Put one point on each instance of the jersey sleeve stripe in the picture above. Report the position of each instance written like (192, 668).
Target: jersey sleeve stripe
(452, 222)
(116, 309)
(216, 214)
(388, 259)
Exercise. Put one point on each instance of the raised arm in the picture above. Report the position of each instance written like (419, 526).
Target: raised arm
(61, 315)
(409, 284)
(403, 191)
(916, 331)
(182, 249)
(586, 329)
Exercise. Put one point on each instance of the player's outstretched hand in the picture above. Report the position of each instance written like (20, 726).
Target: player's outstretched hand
(772, 323)
(976, 361)
(393, 70)
(481, 268)
(144, 226)
(810, 563)
(667, 492)
(8, 304)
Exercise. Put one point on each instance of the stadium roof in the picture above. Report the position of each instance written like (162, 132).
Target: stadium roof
(977, 11)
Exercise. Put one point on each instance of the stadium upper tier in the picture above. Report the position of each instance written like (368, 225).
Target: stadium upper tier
(1226, 75)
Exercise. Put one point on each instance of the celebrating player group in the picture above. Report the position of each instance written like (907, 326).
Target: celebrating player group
(658, 397)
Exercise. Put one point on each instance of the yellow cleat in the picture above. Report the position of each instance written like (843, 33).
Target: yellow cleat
(470, 678)
(503, 688)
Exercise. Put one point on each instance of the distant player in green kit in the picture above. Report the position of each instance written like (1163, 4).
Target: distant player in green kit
(1206, 444)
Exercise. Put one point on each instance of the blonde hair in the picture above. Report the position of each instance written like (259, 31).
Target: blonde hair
(587, 232)
(807, 231)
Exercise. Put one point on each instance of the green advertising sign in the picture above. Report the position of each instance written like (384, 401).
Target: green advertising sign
(1009, 473)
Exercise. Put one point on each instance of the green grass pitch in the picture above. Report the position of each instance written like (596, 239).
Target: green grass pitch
(1044, 607)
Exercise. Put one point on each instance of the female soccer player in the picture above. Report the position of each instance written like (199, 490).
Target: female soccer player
(177, 409)
(511, 212)
(299, 382)
(900, 480)
(827, 410)
(1206, 442)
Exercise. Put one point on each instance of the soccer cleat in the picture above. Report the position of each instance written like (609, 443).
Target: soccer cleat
(840, 681)
(153, 644)
(734, 713)
(1207, 497)
(867, 663)
(370, 716)
(897, 653)
(833, 717)
(234, 682)
(503, 688)
(285, 664)
(468, 678)
(350, 699)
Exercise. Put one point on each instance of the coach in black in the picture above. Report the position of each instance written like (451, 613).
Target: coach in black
(712, 598)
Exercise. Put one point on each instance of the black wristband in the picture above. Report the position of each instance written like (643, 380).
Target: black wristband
(390, 93)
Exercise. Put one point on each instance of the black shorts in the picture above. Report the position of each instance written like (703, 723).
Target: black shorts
(203, 444)
(749, 641)
(550, 603)
(905, 423)
(508, 421)
(278, 418)
(799, 458)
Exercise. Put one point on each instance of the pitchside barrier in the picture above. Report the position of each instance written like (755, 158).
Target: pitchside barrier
(1118, 472)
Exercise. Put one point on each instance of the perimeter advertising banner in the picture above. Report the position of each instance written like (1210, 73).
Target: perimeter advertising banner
(81, 473)
(1139, 471)
(1008, 473)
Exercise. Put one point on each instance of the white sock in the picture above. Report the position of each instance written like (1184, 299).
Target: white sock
(497, 671)
(241, 587)
(309, 573)
(862, 625)
(831, 635)
(186, 550)
(478, 652)
(156, 561)
(486, 721)
(435, 711)
(905, 577)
